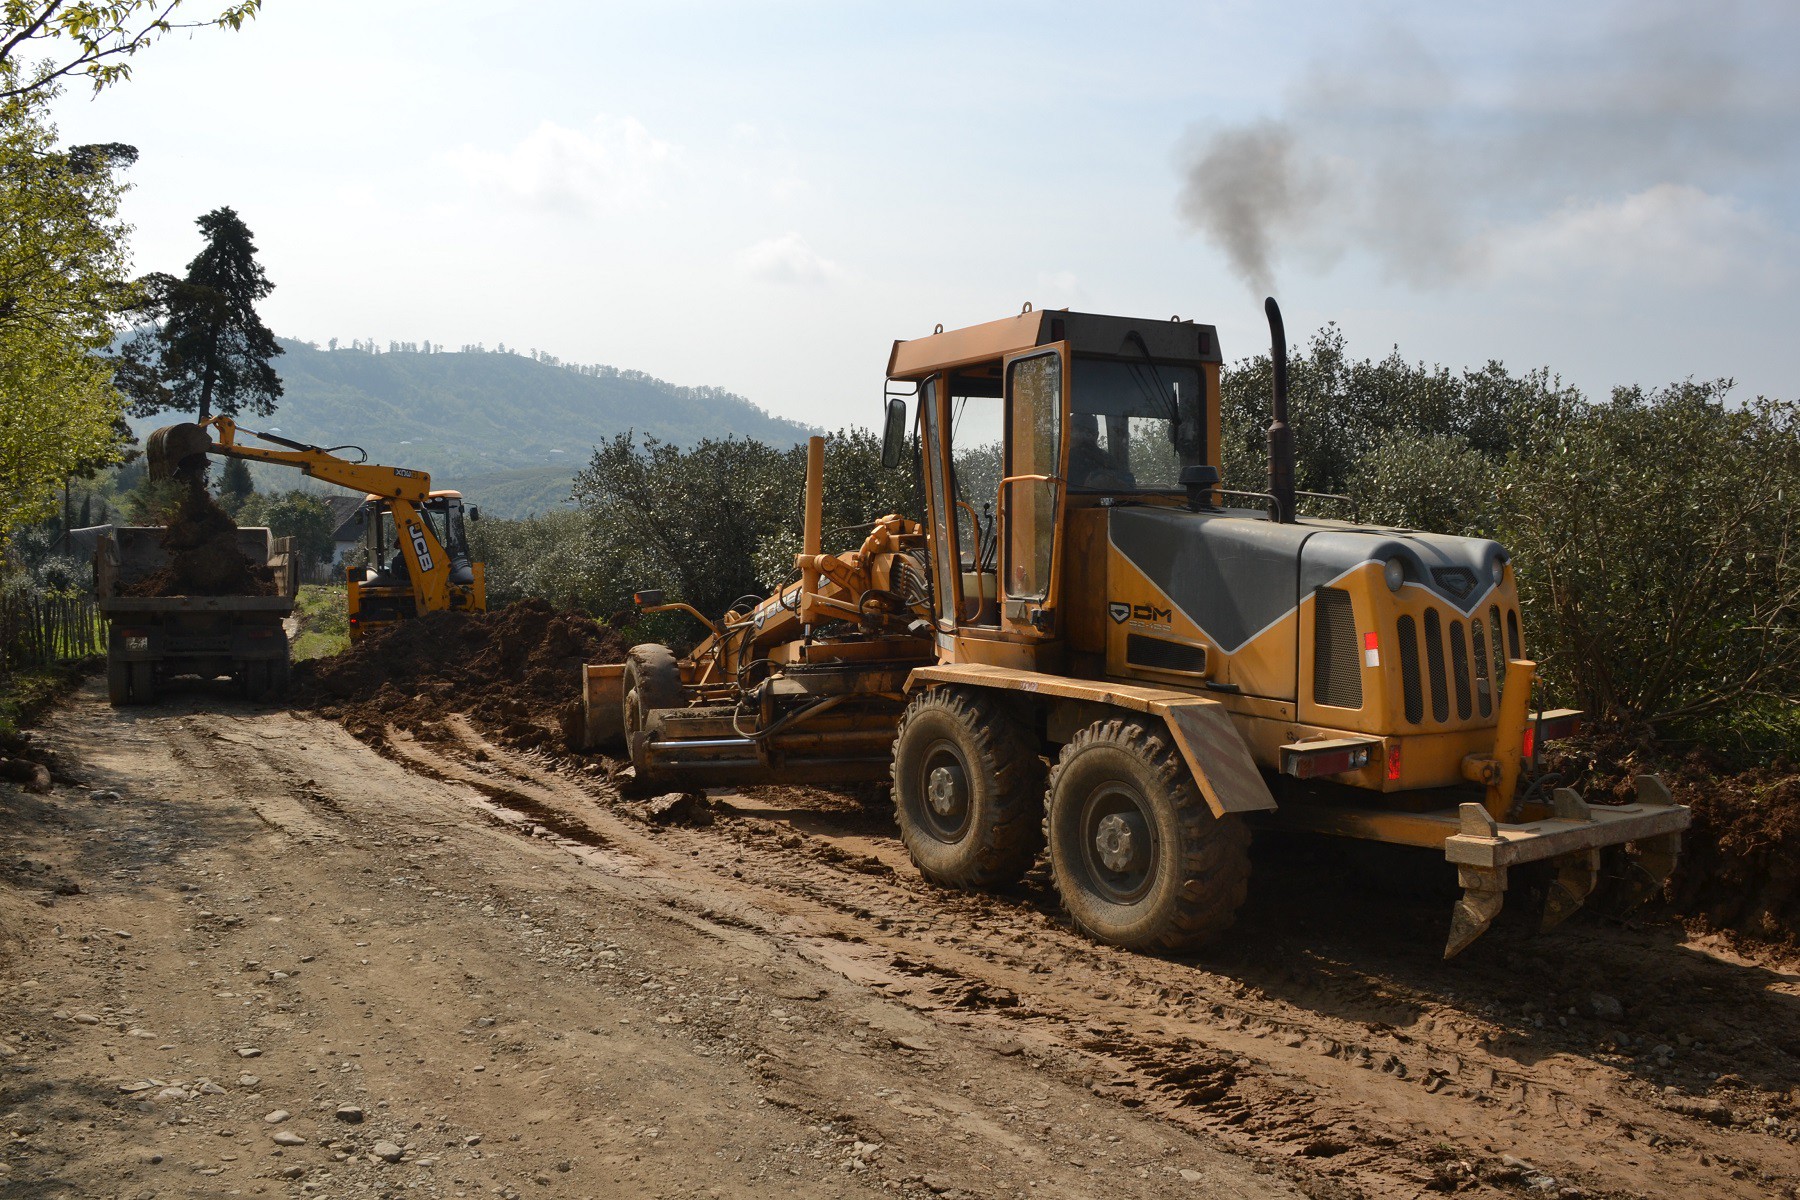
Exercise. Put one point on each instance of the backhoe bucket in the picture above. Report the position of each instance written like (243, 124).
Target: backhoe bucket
(177, 450)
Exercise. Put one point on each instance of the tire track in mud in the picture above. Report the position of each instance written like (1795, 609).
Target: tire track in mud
(1412, 1092)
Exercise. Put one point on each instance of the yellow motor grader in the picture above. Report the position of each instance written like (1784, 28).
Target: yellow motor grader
(1082, 647)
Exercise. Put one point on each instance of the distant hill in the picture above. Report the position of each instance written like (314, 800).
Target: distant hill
(525, 425)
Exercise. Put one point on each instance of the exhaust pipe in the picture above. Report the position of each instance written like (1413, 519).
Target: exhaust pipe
(1281, 438)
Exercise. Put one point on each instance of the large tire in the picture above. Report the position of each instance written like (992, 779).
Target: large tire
(1138, 857)
(968, 787)
(143, 683)
(652, 681)
(256, 677)
(118, 682)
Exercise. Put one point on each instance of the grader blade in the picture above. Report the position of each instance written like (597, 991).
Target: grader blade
(176, 450)
(1577, 873)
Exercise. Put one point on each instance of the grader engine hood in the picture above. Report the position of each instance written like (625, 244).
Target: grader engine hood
(1236, 575)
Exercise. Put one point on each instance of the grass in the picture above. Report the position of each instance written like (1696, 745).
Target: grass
(324, 629)
(24, 695)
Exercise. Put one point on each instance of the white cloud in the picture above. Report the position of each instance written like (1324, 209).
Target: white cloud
(1668, 234)
(787, 259)
(611, 164)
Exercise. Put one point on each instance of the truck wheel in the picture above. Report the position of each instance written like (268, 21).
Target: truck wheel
(253, 679)
(143, 683)
(1138, 856)
(967, 789)
(118, 682)
(652, 681)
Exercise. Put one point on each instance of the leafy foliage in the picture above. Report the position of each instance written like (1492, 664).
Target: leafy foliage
(302, 516)
(63, 280)
(92, 38)
(1658, 542)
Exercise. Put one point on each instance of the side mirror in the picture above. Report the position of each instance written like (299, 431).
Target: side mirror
(893, 436)
(474, 512)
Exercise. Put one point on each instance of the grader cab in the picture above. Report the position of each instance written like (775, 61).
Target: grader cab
(1083, 643)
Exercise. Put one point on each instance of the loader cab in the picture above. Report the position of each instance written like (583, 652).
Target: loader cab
(381, 591)
(1026, 424)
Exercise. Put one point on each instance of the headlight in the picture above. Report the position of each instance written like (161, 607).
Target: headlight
(1499, 567)
(1394, 571)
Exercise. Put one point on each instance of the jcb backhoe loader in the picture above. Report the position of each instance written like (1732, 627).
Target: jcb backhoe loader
(1186, 668)
(429, 567)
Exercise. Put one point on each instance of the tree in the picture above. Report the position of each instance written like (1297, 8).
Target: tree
(94, 38)
(235, 485)
(212, 351)
(300, 515)
(63, 283)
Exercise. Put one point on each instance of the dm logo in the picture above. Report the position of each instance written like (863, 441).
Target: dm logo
(1119, 611)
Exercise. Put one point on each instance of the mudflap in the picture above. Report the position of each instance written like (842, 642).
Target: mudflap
(1569, 839)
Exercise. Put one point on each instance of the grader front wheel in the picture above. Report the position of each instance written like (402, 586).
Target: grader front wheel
(967, 786)
(1138, 856)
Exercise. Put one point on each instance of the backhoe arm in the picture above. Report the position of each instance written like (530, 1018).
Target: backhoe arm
(176, 448)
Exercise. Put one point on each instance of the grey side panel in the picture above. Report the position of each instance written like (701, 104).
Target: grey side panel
(1233, 576)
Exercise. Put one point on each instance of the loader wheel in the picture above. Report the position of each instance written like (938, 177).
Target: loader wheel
(652, 681)
(967, 785)
(1138, 856)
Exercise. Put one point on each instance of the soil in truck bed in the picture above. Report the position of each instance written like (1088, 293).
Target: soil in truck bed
(204, 558)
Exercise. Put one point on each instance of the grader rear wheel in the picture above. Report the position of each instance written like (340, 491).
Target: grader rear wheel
(967, 785)
(1138, 856)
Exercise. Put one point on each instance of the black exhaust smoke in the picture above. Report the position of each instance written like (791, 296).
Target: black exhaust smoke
(1281, 438)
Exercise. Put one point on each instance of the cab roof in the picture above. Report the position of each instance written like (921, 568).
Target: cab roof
(1087, 333)
(440, 495)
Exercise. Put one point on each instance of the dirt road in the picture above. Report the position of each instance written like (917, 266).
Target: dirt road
(459, 970)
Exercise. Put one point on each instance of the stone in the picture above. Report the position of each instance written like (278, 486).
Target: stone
(248, 1080)
(286, 1137)
(387, 1152)
(277, 1117)
(211, 1089)
(82, 1018)
(349, 1114)
(678, 808)
(1606, 1007)
(913, 1043)
(248, 1052)
(1192, 1176)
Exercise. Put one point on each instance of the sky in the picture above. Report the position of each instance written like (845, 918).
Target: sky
(763, 196)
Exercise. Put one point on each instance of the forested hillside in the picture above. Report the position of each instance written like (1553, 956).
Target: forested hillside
(524, 425)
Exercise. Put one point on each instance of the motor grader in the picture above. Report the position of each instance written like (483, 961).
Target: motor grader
(1081, 646)
(419, 557)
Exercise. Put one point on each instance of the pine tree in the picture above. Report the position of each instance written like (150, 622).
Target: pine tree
(235, 485)
(215, 351)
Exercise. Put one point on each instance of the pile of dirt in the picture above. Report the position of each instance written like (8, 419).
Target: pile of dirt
(1739, 872)
(515, 668)
(204, 559)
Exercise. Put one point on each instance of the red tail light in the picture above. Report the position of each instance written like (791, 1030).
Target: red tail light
(1394, 761)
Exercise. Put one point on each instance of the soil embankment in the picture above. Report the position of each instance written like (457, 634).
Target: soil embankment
(515, 668)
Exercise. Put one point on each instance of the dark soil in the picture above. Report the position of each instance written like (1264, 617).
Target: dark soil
(516, 669)
(204, 559)
(1739, 872)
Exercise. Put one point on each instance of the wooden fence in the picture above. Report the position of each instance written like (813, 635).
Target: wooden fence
(38, 630)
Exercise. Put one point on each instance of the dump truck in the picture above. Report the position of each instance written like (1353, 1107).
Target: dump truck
(152, 639)
(420, 559)
(1086, 644)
